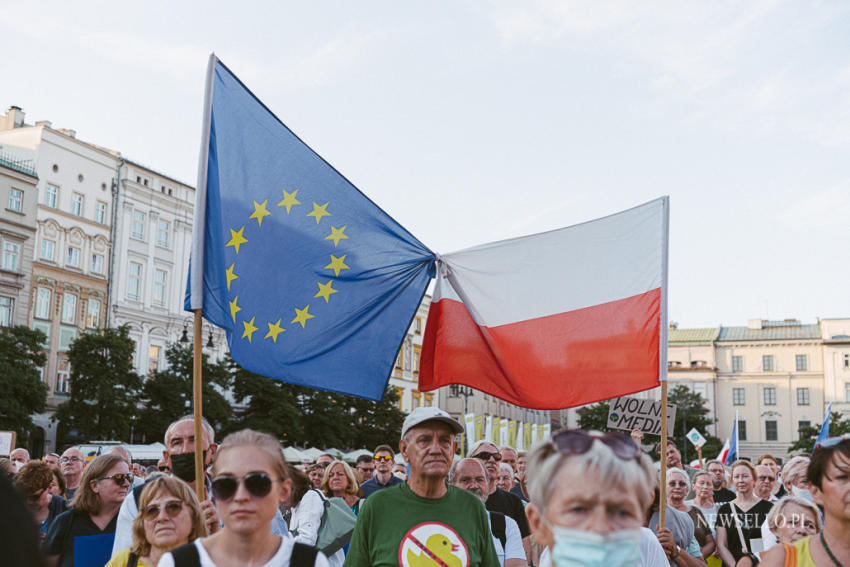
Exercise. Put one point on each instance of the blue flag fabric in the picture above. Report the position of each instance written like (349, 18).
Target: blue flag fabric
(824, 428)
(732, 455)
(314, 284)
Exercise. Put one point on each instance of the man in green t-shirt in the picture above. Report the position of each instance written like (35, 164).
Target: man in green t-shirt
(424, 522)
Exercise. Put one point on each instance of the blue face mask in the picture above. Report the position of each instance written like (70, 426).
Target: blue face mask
(588, 549)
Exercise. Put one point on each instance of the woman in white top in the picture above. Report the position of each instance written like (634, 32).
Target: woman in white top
(307, 508)
(250, 481)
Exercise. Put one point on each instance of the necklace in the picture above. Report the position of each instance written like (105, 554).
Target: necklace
(829, 551)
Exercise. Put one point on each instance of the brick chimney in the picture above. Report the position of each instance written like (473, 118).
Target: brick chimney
(14, 118)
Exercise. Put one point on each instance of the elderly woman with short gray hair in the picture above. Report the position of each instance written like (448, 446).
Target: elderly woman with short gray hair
(589, 494)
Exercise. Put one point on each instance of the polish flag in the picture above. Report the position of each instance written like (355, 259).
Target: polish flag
(558, 319)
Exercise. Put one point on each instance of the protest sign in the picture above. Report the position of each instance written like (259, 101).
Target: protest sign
(696, 437)
(7, 443)
(629, 413)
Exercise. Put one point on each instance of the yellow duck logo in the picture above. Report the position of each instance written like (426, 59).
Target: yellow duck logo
(438, 551)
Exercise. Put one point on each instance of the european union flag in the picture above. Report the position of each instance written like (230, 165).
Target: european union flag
(314, 283)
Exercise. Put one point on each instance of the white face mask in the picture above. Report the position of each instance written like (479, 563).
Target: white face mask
(803, 493)
(589, 549)
(18, 465)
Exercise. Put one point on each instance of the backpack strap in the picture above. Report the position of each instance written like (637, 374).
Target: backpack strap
(186, 556)
(499, 527)
(133, 560)
(303, 555)
(790, 555)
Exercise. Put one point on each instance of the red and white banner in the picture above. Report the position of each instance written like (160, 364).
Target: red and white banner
(557, 319)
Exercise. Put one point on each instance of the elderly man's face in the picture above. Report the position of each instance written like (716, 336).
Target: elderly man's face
(493, 456)
(182, 441)
(765, 479)
(470, 475)
(72, 463)
(509, 457)
(716, 472)
(429, 448)
(20, 456)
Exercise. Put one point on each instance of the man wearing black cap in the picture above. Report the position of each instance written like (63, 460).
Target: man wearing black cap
(424, 521)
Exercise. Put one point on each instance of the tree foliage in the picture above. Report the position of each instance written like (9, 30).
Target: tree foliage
(838, 425)
(104, 387)
(306, 417)
(23, 392)
(691, 404)
(167, 394)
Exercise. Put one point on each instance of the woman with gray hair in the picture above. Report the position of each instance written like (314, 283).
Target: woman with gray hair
(589, 494)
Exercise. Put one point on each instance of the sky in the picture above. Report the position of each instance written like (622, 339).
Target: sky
(475, 121)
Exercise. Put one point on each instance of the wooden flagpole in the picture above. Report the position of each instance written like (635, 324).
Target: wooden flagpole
(197, 382)
(662, 482)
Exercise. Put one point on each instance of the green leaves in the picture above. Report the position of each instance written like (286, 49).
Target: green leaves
(104, 387)
(23, 392)
(838, 425)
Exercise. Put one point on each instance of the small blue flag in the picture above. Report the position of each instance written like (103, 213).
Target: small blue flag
(824, 428)
(732, 455)
(314, 284)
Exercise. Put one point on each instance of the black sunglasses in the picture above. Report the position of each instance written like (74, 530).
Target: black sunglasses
(172, 509)
(120, 478)
(577, 442)
(485, 456)
(257, 485)
(163, 468)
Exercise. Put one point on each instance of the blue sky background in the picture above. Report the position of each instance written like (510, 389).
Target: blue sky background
(477, 121)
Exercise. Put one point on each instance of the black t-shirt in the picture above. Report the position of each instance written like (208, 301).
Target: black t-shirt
(509, 505)
(750, 522)
(723, 495)
(57, 506)
(69, 527)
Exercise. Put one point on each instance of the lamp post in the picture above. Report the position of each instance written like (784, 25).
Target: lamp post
(184, 338)
(458, 390)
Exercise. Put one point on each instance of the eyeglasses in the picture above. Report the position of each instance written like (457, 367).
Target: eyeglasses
(380, 458)
(485, 456)
(766, 478)
(258, 485)
(120, 478)
(172, 509)
(575, 441)
(70, 460)
(163, 468)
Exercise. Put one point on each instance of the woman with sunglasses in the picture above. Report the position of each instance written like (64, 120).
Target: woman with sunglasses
(94, 512)
(34, 481)
(829, 482)
(589, 495)
(169, 516)
(250, 479)
(677, 488)
(743, 516)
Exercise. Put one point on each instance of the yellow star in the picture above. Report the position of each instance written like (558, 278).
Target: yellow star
(274, 330)
(337, 264)
(336, 235)
(289, 200)
(249, 329)
(230, 275)
(234, 309)
(260, 212)
(236, 239)
(325, 290)
(301, 316)
(319, 212)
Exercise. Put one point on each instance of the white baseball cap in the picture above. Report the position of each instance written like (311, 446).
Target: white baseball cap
(422, 414)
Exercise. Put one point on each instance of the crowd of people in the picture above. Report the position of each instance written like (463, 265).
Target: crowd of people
(578, 498)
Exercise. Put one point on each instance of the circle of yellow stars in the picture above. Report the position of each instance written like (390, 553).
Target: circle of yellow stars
(326, 289)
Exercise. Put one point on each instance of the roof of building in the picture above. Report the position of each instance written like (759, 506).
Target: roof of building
(25, 166)
(770, 333)
(693, 336)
